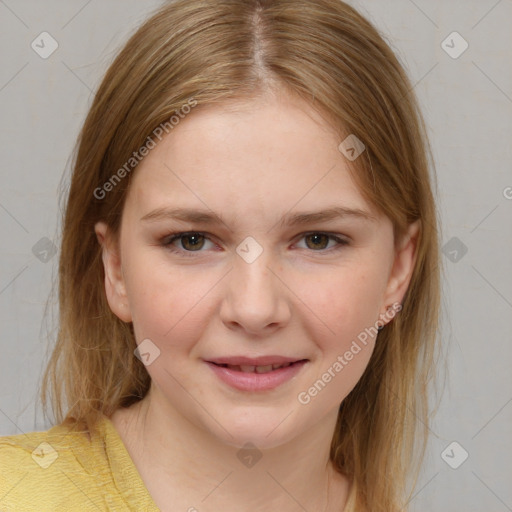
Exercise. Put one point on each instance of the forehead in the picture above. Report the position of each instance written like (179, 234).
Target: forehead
(251, 156)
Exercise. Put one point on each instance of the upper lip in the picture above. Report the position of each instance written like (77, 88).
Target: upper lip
(254, 361)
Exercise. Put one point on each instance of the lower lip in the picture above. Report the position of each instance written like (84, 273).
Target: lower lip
(256, 381)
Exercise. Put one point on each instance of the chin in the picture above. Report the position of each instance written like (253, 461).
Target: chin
(264, 433)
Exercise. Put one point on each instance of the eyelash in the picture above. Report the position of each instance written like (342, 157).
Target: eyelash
(171, 237)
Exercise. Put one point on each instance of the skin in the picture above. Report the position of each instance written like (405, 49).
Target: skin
(251, 163)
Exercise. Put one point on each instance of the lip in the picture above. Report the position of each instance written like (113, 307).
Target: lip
(254, 361)
(244, 381)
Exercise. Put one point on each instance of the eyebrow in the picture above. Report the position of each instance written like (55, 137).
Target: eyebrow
(291, 219)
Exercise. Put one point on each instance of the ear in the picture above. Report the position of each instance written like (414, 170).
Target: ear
(403, 267)
(115, 288)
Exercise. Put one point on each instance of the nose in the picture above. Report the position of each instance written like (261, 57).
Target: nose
(256, 301)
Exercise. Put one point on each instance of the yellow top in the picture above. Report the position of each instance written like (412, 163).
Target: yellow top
(62, 470)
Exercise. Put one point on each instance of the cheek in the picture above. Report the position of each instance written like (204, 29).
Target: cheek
(167, 307)
(348, 306)
(347, 300)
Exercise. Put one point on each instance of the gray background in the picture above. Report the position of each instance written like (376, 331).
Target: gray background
(467, 103)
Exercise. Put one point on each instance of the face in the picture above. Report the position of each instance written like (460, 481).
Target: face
(248, 275)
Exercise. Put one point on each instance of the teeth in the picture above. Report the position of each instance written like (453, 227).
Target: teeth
(276, 366)
(264, 369)
(256, 369)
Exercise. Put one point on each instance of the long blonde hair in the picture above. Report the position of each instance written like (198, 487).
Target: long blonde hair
(214, 52)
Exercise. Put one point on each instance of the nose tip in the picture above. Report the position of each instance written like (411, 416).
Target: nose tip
(255, 300)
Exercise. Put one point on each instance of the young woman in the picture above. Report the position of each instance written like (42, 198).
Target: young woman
(249, 280)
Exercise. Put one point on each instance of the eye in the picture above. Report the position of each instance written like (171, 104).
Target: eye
(318, 241)
(191, 242)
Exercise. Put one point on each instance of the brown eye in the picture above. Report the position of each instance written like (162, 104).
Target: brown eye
(318, 240)
(192, 242)
(188, 243)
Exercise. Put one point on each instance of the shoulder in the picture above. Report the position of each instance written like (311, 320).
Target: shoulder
(58, 469)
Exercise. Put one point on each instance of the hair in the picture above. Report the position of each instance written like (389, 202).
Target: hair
(216, 52)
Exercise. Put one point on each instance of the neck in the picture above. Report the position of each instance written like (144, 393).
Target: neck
(186, 466)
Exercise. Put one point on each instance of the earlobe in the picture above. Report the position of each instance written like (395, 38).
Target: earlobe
(403, 267)
(115, 288)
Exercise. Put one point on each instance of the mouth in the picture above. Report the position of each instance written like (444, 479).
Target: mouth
(247, 368)
(256, 374)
